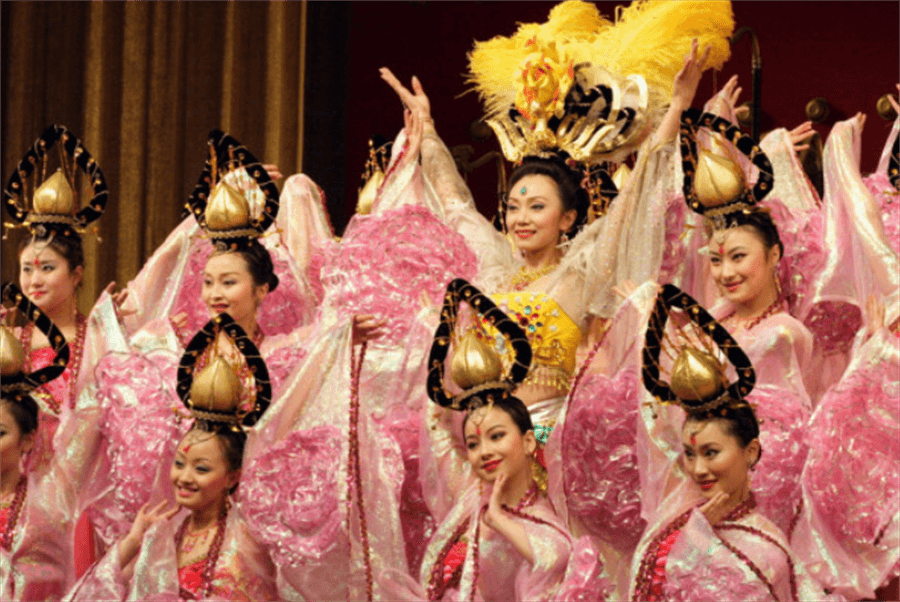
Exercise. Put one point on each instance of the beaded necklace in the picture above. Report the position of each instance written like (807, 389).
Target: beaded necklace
(354, 471)
(15, 509)
(76, 349)
(771, 310)
(526, 276)
(212, 556)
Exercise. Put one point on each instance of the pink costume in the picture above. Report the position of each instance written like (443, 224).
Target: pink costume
(681, 557)
(849, 532)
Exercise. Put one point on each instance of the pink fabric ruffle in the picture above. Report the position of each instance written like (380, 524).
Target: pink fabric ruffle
(776, 481)
(804, 252)
(675, 249)
(387, 263)
(834, 324)
(289, 496)
(712, 581)
(600, 463)
(853, 457)
(888, 199)
(140, 436)
(585, 580)
(280, 363)
(281, 311)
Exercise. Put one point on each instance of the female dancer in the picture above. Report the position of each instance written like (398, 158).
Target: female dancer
(209, 553)
(707, 540)
(556, 280)
(51, 266)
(506, 543)
(36, 518)
(746, 262)
(849, 543)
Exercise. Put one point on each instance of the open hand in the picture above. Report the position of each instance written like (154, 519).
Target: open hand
(415, 100)
(716, 508)
(800, 136)
(687, 80)
(273, 171)
(147, 517)
(367, 327)
(494, 512)
(119, 299)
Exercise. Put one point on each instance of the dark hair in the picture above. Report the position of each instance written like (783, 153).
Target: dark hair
(68, 245)
(761, 222)
(259, 264)
(736, 419)
(24, 411)
(568, 183)
(516, 410)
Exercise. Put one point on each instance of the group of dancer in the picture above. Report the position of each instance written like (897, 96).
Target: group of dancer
(666, 370)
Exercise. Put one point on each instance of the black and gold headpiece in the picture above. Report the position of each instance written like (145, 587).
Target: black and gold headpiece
(476, 368)
(214, 395)
(16, 383)
(698, 382)
(714, 185)
(43, 203)
(219, 207)
(894, 163)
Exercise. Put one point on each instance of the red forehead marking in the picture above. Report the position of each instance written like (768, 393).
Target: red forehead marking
(721, 249)
(477, 430)
(37, 262)
(186, 449)
(694, 440)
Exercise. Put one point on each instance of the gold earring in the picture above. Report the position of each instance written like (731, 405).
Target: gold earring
(777, 282)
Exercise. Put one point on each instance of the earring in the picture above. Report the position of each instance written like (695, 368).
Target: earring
(563, 238)
(777, 282)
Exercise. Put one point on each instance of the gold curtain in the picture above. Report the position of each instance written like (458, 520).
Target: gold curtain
(141, 84)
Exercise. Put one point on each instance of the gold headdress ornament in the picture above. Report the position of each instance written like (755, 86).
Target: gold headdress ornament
(475, 368)
(221, 209)
(374, 173)
(214, 395)
(697, 377)
(714, 185)
(44, 203)
(16, 383)
(589, 87)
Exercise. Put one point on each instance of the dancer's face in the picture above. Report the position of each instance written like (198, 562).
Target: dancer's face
(741, 265)
(535, 217)
(494, 444)
(228, 287)
(200, 472)
(13, 445)
(715, 460)
(46, 278)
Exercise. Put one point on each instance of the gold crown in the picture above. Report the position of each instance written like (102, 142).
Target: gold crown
(12, 356)
(475, 363)
(54, 196)
(697, 375)
(216, 389)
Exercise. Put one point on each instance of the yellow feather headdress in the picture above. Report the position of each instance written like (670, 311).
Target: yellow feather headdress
(589, 86)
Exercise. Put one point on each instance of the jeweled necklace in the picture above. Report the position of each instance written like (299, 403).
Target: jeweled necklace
(15, 509)
(526, 276)
(212, 557)
(771, 310)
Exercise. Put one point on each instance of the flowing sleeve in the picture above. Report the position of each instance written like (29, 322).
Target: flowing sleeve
(625, 244)
(847, 542)
(861, 261)
(496, 262)
(303, 219)
(104, 580)
(551, 545)
(443, 467)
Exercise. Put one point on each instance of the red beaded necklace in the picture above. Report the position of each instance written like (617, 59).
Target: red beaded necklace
(212, 556)
(354, 472)
(774, 308)
(15, 509)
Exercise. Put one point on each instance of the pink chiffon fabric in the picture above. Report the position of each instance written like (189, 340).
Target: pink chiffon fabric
(703, 565)
(849, 532)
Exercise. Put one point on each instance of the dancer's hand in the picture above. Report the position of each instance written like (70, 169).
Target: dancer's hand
(860, 121)
(716, 508)
(415, 130)
(731, 91)
(415, 100)
(800, 136)
(494, 513)
(687, 80)
(130, 545)
(273, 171)
(367, 327)
(894, 102)
(119, 300)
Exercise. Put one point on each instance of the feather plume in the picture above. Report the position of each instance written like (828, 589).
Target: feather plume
(495, 65)
(651, 38)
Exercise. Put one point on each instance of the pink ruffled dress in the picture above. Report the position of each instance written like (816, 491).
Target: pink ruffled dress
(849, 532)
